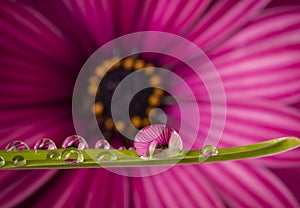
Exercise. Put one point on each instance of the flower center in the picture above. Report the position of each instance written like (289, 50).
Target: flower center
(141, 104)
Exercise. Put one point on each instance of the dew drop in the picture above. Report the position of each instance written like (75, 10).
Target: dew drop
(17, 146)
(18, 161)
(45, 144)
(106, 156)
(102, 144)
(2, 161)
(209, 150)
(72, 156)
(158, 141)
(76, 142)
(53, 155)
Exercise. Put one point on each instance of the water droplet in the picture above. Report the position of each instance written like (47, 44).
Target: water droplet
(122, 148)
(72, 156)
(2, 161)
(106, 156)
(45, 144)
(158, 141)
(18, 161)
(53, 155)
(102, 144)
(17, 146)
(209, 150)
(76, 142)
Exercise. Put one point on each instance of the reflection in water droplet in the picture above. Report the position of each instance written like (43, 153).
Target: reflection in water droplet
(17, 146)
(106, 156)
(45, 144)
(158, 141)
(53, 155)
(72, 156)
(76, 142)
(2, 161)
(151, 150)
(18, 161)
(102, 144)
(209, 150)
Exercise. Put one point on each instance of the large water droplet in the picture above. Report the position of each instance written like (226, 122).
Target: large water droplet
(45, 144)
(209, 150)
(2, 161)
(106, 156)
(18, 161)
(76, 142)
(158, 141)
(17, 146)
(72, 156)
(102, 144)
(53, 155)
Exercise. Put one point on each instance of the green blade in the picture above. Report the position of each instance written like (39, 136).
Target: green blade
(128, 158)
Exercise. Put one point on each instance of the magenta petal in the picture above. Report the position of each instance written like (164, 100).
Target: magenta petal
(222, 20)
(244, 186)
(261, 60)
(44, 45)
(96, 17)
(178, 187)
(13, 181)
(21, 29)
(55, 124)
(252, 122)
(178, 17)
(62, 15)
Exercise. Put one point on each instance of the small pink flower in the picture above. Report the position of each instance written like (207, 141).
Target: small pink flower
(156, 136)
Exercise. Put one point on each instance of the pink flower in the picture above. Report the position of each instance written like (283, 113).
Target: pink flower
(255, 47)
(152, 138)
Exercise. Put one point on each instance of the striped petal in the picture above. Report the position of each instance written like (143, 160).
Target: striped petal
(247, 123)
(262, 61)
(245, 186)
(21, 28)
(183, 186)
(12, 195)
(222, 20)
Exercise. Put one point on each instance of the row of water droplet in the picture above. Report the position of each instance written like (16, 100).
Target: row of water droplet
(72, 153)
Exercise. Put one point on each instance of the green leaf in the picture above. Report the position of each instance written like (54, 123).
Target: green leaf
(128, 158)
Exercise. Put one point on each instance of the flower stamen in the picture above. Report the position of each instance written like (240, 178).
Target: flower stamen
(112, 71)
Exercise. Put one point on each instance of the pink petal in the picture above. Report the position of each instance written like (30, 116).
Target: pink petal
(182, 186)
(245, 186)
(20, 185)
(247, 123)
(178, 17)
(63, 17)
(32, 124)
(222, 20)
(21, 29)
(262, 61)
(97, 18)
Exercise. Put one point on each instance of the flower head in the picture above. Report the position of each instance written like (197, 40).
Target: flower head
(253, 44)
